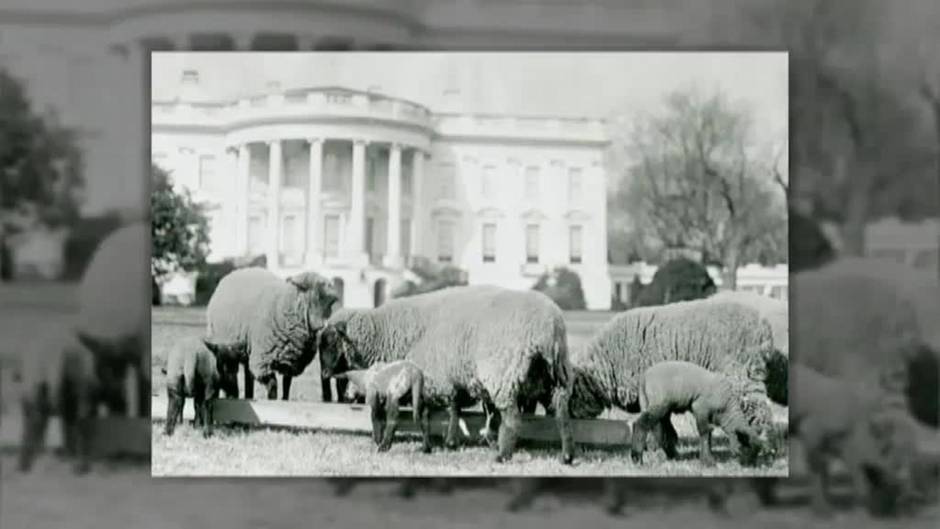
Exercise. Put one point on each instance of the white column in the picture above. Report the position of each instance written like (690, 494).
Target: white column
(393, 244)
(232, 205)
(274, 204)
(417, 201)
(242, 191)
(314, 231)
(356, 226)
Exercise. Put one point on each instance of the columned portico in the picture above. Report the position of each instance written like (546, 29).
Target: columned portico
(242, 185)
(417, 211)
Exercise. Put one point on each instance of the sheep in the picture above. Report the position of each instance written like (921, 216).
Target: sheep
(714, 399)
(192, 370)
(469, 341)
(114, 312)
(726, 337)
(857, 317)
(59, 378)
(268, 323)
(857, 422)
(386, 385)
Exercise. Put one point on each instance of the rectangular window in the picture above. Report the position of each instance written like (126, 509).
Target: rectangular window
(574, 244)
(574, 185)
(489, 243)
(255, 232)
(486, 183)
(532, 243)
(207, 172)
(405, 237)
(331, 236)
(531, 183)
(445, 241)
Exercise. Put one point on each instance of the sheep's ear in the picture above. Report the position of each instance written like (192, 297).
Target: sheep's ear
(213, 348)
(299, 282)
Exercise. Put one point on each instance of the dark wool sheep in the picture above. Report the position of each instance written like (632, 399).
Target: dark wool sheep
(714, 400)
(385, 385)
(724, 337)
(192, 370)
(854, 421)
(59, 378)
(268, 324)
(469, 341)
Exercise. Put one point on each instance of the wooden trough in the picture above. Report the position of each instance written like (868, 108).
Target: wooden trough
(114, 436)
(354, 418)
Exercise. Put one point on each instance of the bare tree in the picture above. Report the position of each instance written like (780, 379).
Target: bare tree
(698, 180)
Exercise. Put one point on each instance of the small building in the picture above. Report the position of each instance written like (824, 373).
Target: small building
(771, 281)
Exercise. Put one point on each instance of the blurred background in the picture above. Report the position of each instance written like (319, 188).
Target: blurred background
(863, 180)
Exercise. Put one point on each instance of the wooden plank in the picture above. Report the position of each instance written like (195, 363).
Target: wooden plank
(355, 419)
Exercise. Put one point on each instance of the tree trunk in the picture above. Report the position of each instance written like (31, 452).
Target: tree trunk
(856, 214)
(731, 263)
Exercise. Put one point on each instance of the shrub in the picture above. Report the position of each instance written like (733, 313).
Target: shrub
(211, 273)
(431, 278)
(564, 287)
(680, 279)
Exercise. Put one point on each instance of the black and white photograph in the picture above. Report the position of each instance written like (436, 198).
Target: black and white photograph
(88, 330)
(458, 264)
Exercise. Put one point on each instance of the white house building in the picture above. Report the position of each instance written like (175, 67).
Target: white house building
(356, 185)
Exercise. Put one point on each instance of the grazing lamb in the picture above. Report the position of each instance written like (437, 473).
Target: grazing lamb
(193, 371)
(714, 399)
(268, 324)
(724, 337)
(385, 386)
(469, 341)
(854, 421)
(59, 378)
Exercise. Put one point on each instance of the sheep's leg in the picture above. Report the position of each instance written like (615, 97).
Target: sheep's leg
(614, 495)
(641, 428)
(523, 491)
(560, 409)
(285, 387)
(378, 419)
(819, 471)
(704, 427)
(341, 384)
(326, 389)
(453, 416)
(173, 408)
(391, 422)
(270, 384)
(84, 425)
(492, 422)
(35, 418)
(508, 431)
(670, 438)
(208, 402)
(422, 414)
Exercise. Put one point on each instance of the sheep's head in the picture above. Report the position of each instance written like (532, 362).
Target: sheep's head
(588, 399)
(111, 359)
(227, 376)
(320, 297)
(337, 351)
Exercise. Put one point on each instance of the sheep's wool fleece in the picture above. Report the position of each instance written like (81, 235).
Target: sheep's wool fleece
(266, 314)
(851, 321)
(53, 355)
(115, 291)
(719, 336)
(775, 311)
(474, 337)
(190, 358)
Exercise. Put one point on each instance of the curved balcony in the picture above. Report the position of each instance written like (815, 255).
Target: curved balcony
(291, 105)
